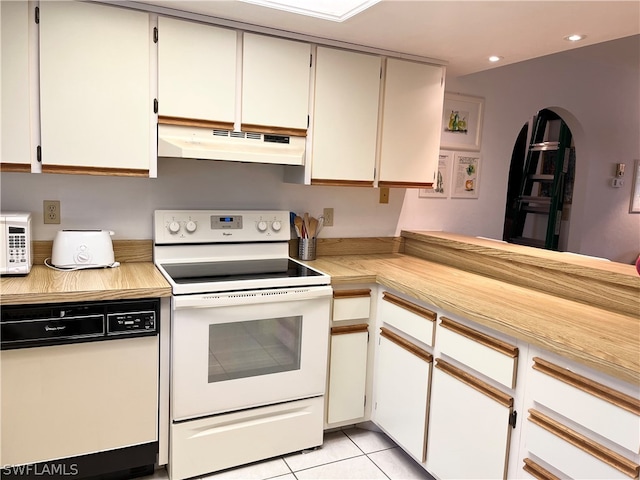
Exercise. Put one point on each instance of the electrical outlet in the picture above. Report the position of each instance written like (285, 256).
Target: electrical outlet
(328, 217)
(384, 195)
(52, 211)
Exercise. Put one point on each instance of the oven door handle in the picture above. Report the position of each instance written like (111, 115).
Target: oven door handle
(252, 297)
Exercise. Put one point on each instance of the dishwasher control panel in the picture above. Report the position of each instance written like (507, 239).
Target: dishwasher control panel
(128, 322)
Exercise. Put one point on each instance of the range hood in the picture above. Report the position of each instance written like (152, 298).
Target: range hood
(216, 144)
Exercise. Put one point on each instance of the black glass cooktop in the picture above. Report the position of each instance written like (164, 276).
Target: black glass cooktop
(205, 272)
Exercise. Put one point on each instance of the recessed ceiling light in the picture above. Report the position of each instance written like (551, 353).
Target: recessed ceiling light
(575, 37)
(334, 10)
(495, 58)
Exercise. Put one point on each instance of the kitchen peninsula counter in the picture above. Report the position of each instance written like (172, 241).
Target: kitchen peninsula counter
(43, 285)
(603, 336)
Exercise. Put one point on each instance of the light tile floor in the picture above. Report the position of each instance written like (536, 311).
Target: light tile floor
(350, 453)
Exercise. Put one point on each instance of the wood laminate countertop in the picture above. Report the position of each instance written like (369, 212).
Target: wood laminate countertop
(44, 285)
(598, 338)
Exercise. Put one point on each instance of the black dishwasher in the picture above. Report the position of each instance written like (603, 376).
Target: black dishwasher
(79, 389)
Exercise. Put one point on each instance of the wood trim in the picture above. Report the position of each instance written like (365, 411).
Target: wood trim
(77, 170)
(537, 471)
(355, 293)
(294, 132)
(390, 184)
(407, 305)
(327, 182)
(406, 344)
(15, 167)
(611, 458)
(359, 328)
(486, 340)
(475, 383)
(587, 385)
(123, 251)
(194, 122)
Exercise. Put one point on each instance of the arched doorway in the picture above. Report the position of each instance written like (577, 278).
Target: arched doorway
(540, 189)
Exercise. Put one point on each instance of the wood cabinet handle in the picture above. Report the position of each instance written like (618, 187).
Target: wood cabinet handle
(587, 385)
(406, 344)
(475, 383)
(360, 292)
(361, 327)
(486, 340)
(194, 122)
(412, 307)
(537, 471)
(585, 444)
(294, 132)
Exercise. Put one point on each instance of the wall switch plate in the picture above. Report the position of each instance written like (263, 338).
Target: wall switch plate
(327, 214)
(51, 211)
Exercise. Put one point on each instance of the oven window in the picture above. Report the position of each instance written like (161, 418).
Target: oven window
(253, 348)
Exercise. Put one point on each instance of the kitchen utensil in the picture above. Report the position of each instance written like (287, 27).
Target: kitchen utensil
(313, 227)
(299, 226)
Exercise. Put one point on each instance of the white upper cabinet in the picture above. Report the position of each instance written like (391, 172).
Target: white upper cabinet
(15, 139)
(411, 120)
(196, 71)
(95, 95)
(345, 117)
(275, 83)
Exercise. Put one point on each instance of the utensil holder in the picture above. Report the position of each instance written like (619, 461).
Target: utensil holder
(307, 249)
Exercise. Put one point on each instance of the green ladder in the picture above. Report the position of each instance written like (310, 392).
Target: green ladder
(543, 182)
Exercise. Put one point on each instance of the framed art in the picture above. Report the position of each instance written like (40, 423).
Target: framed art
(461, 122)
(466, 175)
(442, 181)
(634, 206)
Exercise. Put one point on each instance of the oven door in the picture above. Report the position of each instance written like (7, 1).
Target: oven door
(243, 349)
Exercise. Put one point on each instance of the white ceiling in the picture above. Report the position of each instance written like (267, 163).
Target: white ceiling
(460, 33)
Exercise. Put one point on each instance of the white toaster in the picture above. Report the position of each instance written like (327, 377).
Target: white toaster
(75, 249)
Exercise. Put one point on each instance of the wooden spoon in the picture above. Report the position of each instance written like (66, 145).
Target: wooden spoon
(306, 224)
(299, 227)
(313, 227)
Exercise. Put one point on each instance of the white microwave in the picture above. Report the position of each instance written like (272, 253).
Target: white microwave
(16, 254)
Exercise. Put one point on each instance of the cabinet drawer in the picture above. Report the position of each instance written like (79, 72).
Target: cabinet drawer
(572, 453)
(492, 357)
(412, 319)
(351, 304)
(577, 397)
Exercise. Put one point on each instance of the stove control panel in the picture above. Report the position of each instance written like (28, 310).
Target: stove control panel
(220, 226)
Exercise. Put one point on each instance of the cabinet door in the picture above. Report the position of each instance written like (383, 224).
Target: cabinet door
(345, 117)
(469, 427)
(402, 392)
(16, 144)
(94, 89)
(347, 373)
(275, 83)
(196, 71)
(412, 115)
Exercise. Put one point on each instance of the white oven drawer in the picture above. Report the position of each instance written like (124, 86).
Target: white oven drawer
(215, 443)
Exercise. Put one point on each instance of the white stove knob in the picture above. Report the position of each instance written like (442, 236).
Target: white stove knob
(262, 226)
(174, 227)
(276, 225)
(191, 226)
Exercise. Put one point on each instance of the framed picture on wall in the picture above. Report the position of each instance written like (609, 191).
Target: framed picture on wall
(442, 181)
(466, 175)
(461, 122)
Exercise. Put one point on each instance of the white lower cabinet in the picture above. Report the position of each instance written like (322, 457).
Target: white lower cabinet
(580, 423)
(469, 431)
(403, 372)
(348, 376)
(347, 373)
